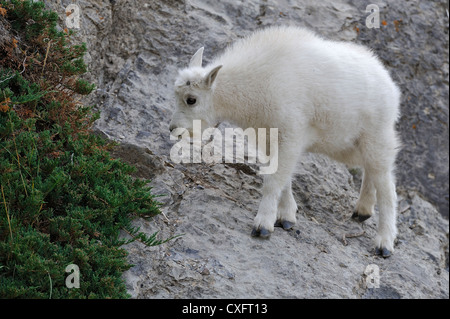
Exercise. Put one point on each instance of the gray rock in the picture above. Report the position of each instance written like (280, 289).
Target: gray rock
(135, 49)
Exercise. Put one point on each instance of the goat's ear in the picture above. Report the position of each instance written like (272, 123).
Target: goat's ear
(209, 79)
(196, 60)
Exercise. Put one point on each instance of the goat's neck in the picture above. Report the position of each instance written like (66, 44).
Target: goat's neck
(226, 99)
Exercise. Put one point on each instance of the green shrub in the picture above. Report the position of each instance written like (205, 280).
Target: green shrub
(63, 199)
(30, 18)
(83, 87)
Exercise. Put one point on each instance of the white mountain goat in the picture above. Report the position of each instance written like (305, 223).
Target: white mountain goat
(327, 97)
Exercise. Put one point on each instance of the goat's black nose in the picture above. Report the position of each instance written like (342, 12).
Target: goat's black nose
(172, 127)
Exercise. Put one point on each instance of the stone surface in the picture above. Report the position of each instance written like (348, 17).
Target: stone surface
(135, 49)
(213, 206)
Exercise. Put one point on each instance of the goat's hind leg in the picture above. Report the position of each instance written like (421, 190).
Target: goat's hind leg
(387, 205)
(379, 171)
(379, 187)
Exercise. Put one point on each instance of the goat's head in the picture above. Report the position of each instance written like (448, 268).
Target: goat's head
(194, 95)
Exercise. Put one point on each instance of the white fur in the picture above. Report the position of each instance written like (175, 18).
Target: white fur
(328, 97)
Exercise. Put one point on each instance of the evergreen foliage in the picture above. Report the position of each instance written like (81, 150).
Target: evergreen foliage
(63, 199)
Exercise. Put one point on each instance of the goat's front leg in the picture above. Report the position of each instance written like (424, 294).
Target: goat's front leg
(287, 207)
(267, 212)
(274, 185)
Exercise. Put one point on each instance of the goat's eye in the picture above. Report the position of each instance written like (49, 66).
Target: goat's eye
(188, 83)
(191, 101)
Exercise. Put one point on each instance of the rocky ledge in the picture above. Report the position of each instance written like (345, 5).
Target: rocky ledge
(135, 49)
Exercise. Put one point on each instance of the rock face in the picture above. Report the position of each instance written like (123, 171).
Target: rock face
(214, 206)
(135, 49)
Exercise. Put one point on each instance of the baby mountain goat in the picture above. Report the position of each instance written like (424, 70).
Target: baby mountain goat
(327, 97)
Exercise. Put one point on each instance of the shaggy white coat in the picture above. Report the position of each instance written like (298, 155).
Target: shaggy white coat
(328, 97)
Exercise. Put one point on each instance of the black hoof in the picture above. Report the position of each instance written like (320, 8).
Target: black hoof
(287, 225)
(262, 233)
(383, 252)
(360, 218)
